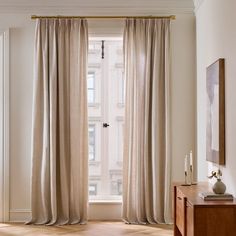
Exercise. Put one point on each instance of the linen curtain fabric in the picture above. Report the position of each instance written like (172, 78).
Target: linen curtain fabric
(147, 162)
(59, 191)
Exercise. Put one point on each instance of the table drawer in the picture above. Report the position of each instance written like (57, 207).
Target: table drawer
(180, 211)
(189, 219)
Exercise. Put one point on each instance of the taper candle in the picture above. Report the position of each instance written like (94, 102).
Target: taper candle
(191, 158)
(186, 163)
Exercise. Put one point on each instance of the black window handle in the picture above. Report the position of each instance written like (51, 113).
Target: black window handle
(105, 125)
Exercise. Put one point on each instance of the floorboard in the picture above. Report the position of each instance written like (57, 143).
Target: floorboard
(95, 228)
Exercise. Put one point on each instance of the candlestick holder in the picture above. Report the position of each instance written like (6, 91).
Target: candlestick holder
(191, 175)
(186, 179)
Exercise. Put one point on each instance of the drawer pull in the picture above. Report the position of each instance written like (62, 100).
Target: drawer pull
(179, 198)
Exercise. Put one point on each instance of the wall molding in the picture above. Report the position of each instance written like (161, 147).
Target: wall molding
(96, 211)
(4, 155)
(83, 11)
(197, 4)
(19, 215)
(92, 7)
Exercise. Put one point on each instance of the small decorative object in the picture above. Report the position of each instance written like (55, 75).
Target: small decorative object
(186, 172)
(219, 187)
(191, 168)
(209, 196)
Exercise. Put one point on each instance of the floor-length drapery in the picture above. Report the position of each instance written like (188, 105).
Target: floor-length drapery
(147, 162)
(59, 191)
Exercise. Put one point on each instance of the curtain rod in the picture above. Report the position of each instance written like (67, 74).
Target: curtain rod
(172, 17)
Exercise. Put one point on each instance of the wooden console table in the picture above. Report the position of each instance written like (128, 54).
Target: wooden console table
(195, 217)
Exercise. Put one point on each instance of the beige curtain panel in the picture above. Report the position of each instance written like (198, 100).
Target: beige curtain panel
(60, 130)
(147, 162)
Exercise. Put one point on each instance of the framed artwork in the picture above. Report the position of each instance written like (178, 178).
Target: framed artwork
(215, 130)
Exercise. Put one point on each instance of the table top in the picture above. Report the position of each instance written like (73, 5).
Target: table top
(192, 194)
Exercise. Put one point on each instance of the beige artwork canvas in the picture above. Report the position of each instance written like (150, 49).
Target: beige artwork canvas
(215, 132)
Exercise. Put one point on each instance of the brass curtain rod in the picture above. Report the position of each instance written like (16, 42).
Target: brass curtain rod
(172, 17)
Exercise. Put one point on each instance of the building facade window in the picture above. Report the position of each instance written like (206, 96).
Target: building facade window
(92, 189)
(119, 187)
(116, 187)
(92, 142)
(105, 105)
(91, 86)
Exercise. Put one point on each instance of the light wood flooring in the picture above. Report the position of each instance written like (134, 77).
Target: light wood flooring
(96, 228)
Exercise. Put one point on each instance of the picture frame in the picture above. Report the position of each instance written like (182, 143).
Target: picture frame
(215, 128)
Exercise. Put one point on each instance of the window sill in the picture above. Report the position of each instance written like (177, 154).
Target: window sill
(105, 202)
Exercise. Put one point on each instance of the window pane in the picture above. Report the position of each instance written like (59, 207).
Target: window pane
(91, 87)
(91, 96)
(123, 88)
(91, 128)
(91, 80)
(91, 46)
(105, 144)
(120, 187)
(91, 139)
(92, 189)
(116, 187)
(91, 148)
(91, 157)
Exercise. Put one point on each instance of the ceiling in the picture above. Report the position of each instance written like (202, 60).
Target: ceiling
(117, 7)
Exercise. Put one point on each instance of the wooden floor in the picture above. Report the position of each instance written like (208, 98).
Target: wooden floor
(102, 228)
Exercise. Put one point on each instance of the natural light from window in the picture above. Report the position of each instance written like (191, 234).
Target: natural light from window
(105, 84)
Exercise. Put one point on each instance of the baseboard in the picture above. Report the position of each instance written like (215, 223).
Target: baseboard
(20, 215)
(96, 211)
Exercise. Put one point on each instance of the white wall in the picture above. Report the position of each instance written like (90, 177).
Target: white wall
(183, 92)
(21, 84)
(21, 81)
(216, 38)
(1, 119)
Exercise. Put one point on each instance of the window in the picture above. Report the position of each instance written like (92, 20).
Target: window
(92, 47)
(91, 86)
(106, 93)
(119, 187)
(91, 132)
(92, 189)
(122, 88)
(116, 187)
